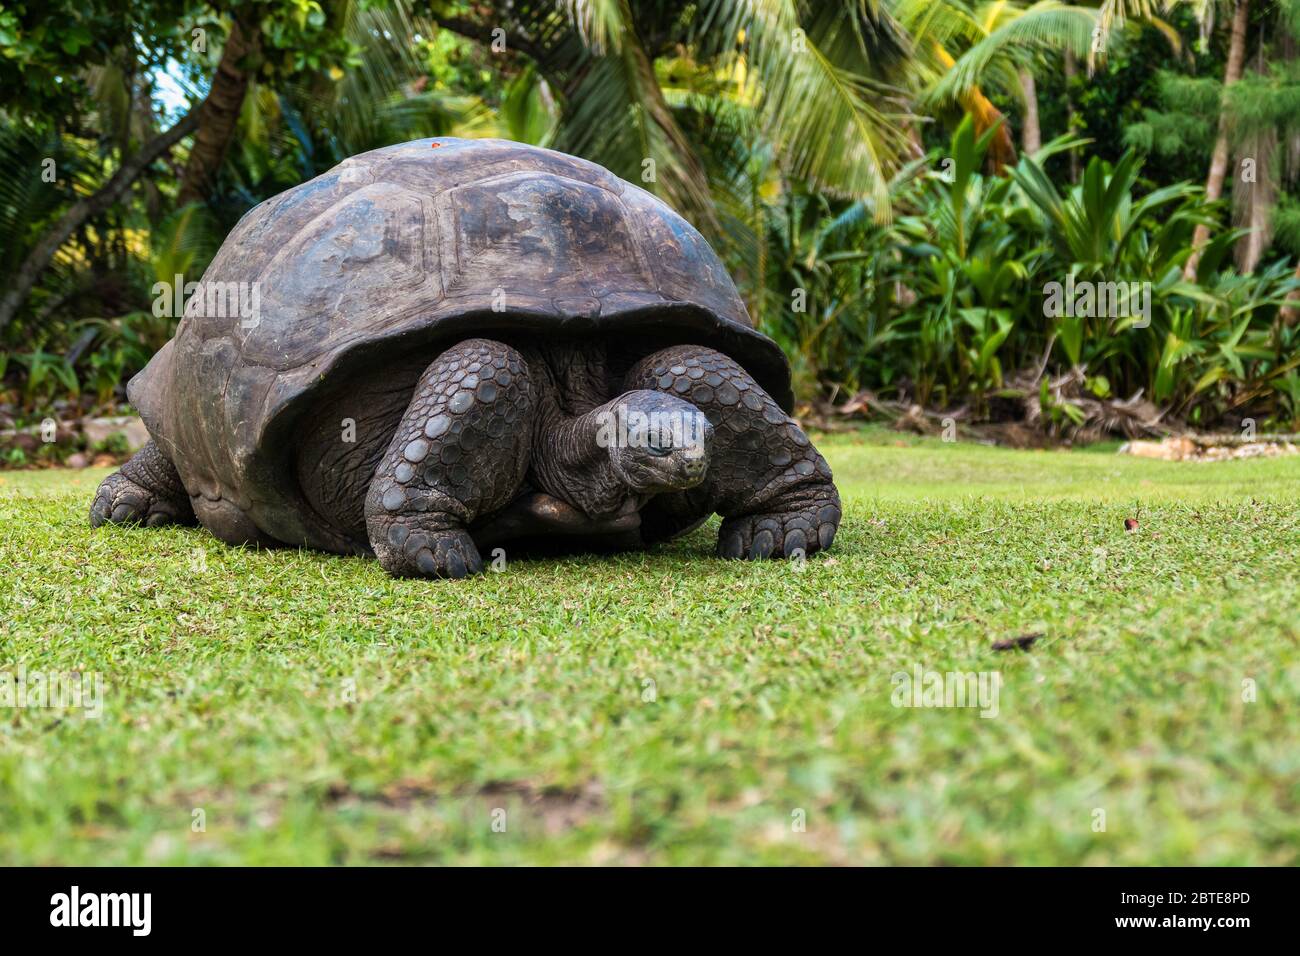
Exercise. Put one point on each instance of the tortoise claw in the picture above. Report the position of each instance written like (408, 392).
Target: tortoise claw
(804, 531)
(119, 500)
(441, 554)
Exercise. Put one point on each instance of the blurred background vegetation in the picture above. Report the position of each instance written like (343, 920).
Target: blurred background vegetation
(891, 182)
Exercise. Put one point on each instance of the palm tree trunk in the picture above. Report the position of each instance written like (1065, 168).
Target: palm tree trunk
(1031, 136)
(1073, 154)
(83, 210)
(1219, 159)
(1002, 148)
(219, 113)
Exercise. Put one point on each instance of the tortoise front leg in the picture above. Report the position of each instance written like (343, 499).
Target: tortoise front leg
(147, 490)
(461, 451)
(765, 478)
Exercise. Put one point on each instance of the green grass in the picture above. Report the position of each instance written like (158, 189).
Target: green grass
(670, 708)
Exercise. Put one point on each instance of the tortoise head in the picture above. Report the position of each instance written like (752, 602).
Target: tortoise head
(656, 442)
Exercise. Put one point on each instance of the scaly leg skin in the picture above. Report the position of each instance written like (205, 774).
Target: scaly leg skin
(461, 451)
(146, 490)
(771, 486)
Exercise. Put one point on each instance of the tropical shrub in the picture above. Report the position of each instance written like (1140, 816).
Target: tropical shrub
(941, 306)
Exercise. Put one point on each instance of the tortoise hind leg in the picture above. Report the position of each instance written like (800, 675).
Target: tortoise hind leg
(771, 486)
(461, 451)
(146, 490)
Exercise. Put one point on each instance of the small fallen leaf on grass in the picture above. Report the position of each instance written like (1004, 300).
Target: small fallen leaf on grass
(1016, 643)
(1131, 524)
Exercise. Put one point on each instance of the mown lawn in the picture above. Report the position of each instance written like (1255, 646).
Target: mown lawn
(670, 708)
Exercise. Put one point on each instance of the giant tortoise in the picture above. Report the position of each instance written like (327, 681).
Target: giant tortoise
(445, 345)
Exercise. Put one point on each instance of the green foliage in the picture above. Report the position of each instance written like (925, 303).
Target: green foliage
(787, 132)
(526, 110)
(952, 297)
(46, 46)
(123, 346)
(968, 290)
(47, 376)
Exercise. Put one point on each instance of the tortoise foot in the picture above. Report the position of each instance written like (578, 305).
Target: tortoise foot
(437, 554)
(146, 491)
(459, 452)
(803, 530)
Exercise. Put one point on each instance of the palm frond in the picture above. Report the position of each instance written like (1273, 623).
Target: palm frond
(617, 116)
(1047, 25)
(600, 23)
(835, 123)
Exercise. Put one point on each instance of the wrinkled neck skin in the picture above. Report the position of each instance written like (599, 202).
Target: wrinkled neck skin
(569, 463)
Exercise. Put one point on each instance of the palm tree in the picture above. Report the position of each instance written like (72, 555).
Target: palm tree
(1112, 14)
(1219, 157)
(219, 113)
(823, 81)
(966, 47)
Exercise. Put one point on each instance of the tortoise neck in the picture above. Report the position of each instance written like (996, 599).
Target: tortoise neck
(570, 463)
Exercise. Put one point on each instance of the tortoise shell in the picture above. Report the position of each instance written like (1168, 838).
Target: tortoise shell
(393, 252)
